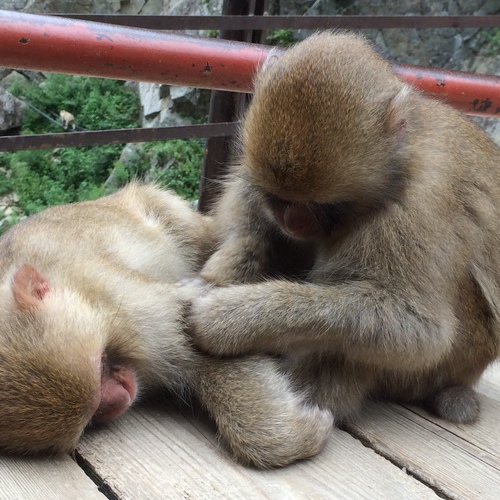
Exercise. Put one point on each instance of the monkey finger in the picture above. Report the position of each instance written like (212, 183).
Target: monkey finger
(193, 287)
(194, 281)
(214, 327)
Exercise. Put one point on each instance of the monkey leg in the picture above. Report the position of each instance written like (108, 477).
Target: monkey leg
(330, 382)
(263, 422)
(458, 404)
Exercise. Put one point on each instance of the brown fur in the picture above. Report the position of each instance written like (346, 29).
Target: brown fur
(398, 195)
(89, 307)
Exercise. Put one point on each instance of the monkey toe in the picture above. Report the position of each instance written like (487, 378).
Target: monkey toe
(457, 404)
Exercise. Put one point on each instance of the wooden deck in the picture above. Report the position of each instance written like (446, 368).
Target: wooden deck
(390, 452)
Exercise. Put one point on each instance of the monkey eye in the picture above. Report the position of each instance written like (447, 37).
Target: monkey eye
(333, 215)
(275, 201)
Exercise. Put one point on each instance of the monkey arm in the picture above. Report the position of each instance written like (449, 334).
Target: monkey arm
(244, 255)
(230, 265)
(360, 319)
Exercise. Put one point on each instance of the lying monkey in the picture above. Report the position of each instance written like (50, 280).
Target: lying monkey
(91, 317)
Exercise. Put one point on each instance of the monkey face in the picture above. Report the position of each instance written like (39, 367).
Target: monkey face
(319, 142)
(57, 373)
(308, 220)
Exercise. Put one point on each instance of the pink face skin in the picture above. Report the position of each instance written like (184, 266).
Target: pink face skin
(296, 219)
(117, 392)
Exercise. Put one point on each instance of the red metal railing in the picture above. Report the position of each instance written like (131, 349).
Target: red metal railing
(64, 45)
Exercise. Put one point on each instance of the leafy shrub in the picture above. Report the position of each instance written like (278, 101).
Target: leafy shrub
(96, 103)
(50, 177)
(41, 178)
(283, 38)
(492, 37)
(174, 164)
(177, 165)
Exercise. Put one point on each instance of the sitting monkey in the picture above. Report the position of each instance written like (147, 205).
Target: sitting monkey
(364, 222)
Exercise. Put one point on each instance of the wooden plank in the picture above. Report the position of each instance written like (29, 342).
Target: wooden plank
(458, 461)
(157, 452)
(44, 479)
(490, 382)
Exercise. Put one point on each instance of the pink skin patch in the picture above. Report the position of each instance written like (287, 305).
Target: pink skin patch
(296, 219)
(118, 390)
(29, 287)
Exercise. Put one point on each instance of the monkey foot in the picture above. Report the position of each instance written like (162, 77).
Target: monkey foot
(284, 442)
(457, 404)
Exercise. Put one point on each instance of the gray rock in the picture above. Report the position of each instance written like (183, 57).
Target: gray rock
(11, 111)
(13, 77)
(164, 106)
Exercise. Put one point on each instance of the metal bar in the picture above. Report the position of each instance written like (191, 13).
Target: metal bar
(473, 93)
(235, 22)
(48, 43)
(79, 47)
(119, 136)
(224, 106)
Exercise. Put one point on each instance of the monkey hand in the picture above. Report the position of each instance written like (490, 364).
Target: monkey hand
(193, 287)
(194, 281)
(271, 317)
(218, 322)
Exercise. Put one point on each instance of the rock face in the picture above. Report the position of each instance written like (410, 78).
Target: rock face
(465, 49)
(164, 106)
(11, 111)
(451, 48)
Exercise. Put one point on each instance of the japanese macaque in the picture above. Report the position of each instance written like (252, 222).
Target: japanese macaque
(67, 119)
(92, 315)
(364, 218)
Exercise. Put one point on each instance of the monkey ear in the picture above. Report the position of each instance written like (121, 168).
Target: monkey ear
(397, 113)
(271, 59)
(29, 287)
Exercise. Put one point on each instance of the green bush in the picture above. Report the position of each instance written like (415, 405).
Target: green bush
(283, 38)
(177, 165)
(96, 103)
(492, 37)
(172, 165)
(51, 177)
(41, 178)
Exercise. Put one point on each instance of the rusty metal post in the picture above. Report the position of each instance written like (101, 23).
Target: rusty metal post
(224, 107)
(47, 43)
(62, 45)
(472, 93)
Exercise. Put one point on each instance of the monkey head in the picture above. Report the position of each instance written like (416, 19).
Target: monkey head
(58, 371)
(320, 139)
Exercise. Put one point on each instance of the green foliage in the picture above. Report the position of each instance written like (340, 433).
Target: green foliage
(493, 39)
(5, 185)
(96, 103)
(51, 177)
(283, 38)
(177, 165)
(173, 165)
(42, 178)
(7, 221)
